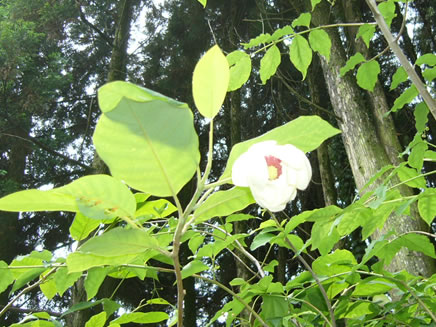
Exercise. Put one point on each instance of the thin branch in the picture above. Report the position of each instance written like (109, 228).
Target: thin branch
(420, 86)
(104, 36)
(27, 311)
(48, 149)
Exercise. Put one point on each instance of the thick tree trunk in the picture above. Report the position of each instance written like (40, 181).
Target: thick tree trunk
(365, 148)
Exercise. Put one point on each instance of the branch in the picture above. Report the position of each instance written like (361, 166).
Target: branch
(23, 310)
(104, 36)
(48, 149)
(420, 86)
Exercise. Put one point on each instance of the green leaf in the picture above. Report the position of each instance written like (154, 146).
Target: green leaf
(421, 117)
(373, 285)
(300, 54)
(366, 32)
(314, 3)
(411, 177)
(260, 39)
(387, 9)
(320, 42)
(203, 2)
(240, 69)
(193, 267)
(429, 74)
(304, 132)
(97, 320)
(78, 262)
(399, 77)
(156, 209)
(64, 280)
(351, 63)
(141, 317)
(48, 287)
(6, 277)
(274, 308)
(269, 63)
(427, 59)
(337, 262)
(82, 226)
(367, 75)
(97, 196)
(302, 20)
(280, 32)
(406, 97)
(24, 275)
(195, 242)
(416, 156)
(261, 239)
(427, 205)
(358, 310)
(120, 241)
(93, 281)
(324, 236)
(210, 82)
(150, 142)
(224, 203)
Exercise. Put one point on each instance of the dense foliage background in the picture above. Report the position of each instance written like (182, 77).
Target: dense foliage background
(54, 55)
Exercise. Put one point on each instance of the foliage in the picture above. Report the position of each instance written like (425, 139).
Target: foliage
(129, 230)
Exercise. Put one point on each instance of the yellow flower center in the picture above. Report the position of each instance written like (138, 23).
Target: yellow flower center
(274, 167)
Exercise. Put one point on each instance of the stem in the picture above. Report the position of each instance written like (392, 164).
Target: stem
(307, 266)
(420, 86)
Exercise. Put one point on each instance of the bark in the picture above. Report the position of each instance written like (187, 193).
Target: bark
(365, 149)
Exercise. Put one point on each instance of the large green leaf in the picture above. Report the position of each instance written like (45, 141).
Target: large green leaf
(224, 203)
(141, 317)
(148, 141)
(6, 277)
(96, 196)
(120, 241)
(305, 132)
(210, 82)
(300, 54)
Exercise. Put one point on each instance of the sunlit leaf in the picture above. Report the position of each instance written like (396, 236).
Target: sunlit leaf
(210, 82)
(366, 32)
(367, 75)
(427, 205)
(320, 42)
(351, 63)
(302, 20)
(300, 54)
(406, 97)
(269, 63)
(399, 77)
(97, 320)
(149, 141)
(240, 69)
(193, 267)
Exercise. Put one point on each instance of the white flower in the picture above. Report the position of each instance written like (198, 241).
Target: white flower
(273, 173)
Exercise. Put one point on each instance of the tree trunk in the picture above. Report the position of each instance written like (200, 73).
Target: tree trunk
(365, 148)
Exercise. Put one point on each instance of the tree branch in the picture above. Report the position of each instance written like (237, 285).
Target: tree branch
(401, 57)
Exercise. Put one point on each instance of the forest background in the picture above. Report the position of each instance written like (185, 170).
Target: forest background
(366, 222)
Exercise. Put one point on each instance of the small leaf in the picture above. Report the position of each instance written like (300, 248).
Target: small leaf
(6, 277)
(387, 9)
(366, 32)
(399, 77)
(300, 54)
(193, 267)
(411, 177)
(429, 74)
(141, 317)
(260, 39)
(93, 281)
(367, 75)
(427, 59)
(416, 156)
(195, 242)
(203, 2)
(302, 20)
(224, 203)
(406, 97)
(269, 63)
(240, 69)
(279, 33)
(335, 263)
(65, 280)
(97, 320)
(351, 63)
(82, 226)
(427, 205)
(314, 3)
(320, 42)
(261, 239)
(210, 82)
